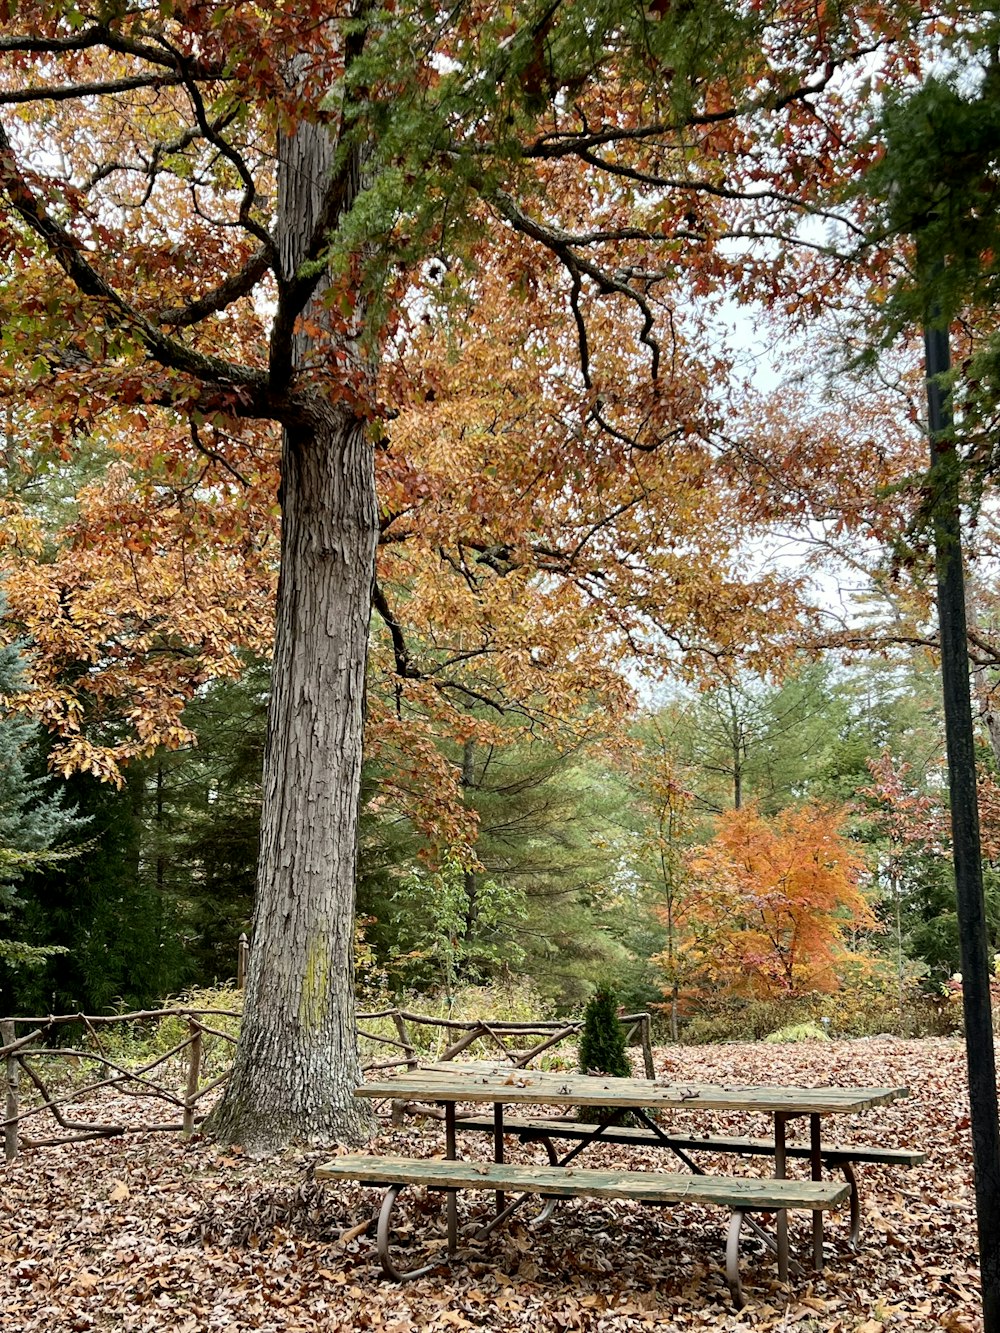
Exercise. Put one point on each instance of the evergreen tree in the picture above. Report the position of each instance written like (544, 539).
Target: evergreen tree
(33, 817)
(602, 1046)
(602, 1041)
(202, 822)
(536, 904)
(119, 942)
(165, 887)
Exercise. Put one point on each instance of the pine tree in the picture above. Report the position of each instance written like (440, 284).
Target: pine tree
(602, 1045)
(114, 938)
(33, 817)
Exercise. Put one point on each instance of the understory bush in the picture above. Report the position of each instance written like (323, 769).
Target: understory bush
(799, 1032)
(141, 1041)
(736, 1018)
(953, 1002)
(870, 1005)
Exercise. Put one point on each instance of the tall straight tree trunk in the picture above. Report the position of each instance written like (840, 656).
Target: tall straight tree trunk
(297, 1063)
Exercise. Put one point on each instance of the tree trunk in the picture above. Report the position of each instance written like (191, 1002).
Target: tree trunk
(296, 1064)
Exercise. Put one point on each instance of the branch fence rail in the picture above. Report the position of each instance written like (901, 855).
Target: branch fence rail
(195, 1062)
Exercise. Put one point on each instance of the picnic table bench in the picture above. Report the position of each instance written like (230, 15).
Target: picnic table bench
(544, 1129)
(739, 1194)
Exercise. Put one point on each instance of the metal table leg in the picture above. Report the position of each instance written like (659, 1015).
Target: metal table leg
(498, 1148)
(451, 1152)
(851, 1177)
(816, 1160)
(733, 1258)
(383, 1232)
(780, 1173)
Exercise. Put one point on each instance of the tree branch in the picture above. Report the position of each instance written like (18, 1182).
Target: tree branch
(249, 197)
(561, 244)
(231, 289)
(99, 34)
(400, 652)
(216, 457)
(69, 253)
(66, 92)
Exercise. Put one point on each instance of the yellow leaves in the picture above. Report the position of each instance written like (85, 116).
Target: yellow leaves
(20, 532)
(80, 756)
(162, 576)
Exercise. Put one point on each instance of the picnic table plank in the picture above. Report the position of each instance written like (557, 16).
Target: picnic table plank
(471, 1083)
(552, 1126)
(742, 1192)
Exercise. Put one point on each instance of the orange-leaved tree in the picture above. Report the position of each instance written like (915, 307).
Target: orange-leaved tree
(771, 902)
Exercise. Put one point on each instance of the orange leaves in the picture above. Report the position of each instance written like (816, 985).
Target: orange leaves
(771, 901)
(144, 594)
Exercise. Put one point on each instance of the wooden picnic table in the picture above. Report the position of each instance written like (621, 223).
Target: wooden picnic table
(500, 1085)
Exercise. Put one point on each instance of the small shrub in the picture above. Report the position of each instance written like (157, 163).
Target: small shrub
(602, 1041)
(953, 1009)
(216, 1052)
(799, 1032)
(602, 1045)
(739, 1019)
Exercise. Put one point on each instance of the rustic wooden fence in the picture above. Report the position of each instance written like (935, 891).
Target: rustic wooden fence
(195, 1062)
(33, 1052)
(496, 1034)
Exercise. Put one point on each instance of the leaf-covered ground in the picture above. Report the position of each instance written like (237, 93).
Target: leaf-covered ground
(155, 1234)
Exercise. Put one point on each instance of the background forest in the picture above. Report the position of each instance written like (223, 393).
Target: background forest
(738, 858)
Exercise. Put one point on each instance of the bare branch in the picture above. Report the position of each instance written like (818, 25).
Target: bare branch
(185, 67)
(561, 244)
(69, 253)
(401, 654)
(216, 457)
(66, 92)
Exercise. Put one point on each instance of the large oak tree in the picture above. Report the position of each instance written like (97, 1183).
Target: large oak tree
(233, 213)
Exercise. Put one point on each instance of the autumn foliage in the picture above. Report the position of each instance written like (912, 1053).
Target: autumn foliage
(772, 902)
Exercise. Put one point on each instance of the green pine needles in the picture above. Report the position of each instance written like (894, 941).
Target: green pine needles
(602, 1045)
(32, 817)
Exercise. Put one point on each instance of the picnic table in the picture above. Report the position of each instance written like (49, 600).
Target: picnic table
(450, 1085)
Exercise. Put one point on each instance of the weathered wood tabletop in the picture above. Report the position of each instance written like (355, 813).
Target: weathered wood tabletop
(503, 1084)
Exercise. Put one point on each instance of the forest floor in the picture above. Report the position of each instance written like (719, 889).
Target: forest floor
(152, 1233)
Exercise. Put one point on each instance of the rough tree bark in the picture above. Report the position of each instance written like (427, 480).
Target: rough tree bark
(297, 1062)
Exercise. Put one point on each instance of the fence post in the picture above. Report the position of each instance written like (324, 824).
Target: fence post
(242, 952)
(193, 1078)
(8, 1035)
(645, 1036)
(404, 1037)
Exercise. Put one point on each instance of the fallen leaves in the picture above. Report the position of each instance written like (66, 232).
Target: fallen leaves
(166, 1237)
